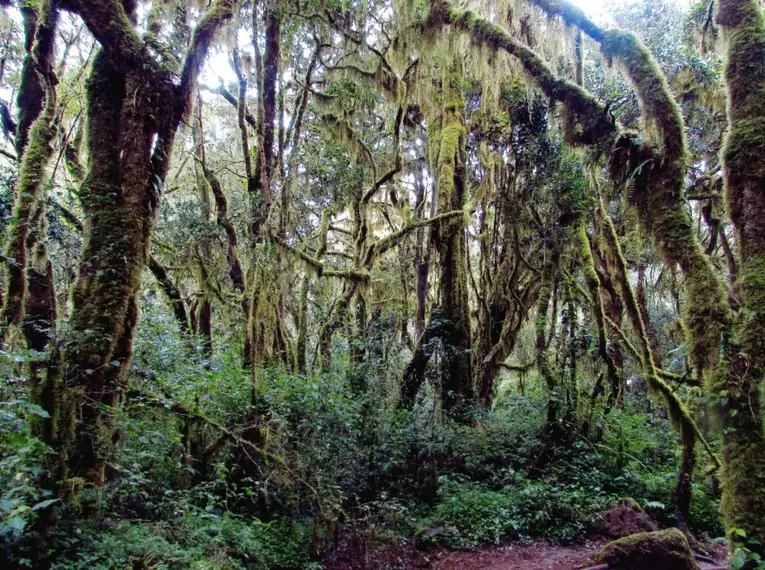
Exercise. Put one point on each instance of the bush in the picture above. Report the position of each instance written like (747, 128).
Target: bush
(22, 491)
(199, 541)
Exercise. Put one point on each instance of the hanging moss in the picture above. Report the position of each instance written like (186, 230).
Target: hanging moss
(345, 133)
(588, 123)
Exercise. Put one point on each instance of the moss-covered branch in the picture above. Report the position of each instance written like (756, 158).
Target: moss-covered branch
(657, 177)
(362, 276)
(588, 122)
(384, 244)
(593, 283)
(677, 411)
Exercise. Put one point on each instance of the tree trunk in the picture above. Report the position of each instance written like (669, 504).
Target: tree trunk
(134, 109)
(451, 180)
(743, 478)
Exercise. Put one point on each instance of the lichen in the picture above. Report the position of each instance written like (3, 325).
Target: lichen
(587, 122)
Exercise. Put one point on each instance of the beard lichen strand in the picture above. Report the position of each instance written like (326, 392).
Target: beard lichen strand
(588, 122)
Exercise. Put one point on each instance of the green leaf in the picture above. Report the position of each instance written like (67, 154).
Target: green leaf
(44, 504)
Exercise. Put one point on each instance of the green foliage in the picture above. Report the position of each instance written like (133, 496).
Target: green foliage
(199, 540)
(22, 472)
(475, 515)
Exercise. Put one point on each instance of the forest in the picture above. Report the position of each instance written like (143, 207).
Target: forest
(368, 284)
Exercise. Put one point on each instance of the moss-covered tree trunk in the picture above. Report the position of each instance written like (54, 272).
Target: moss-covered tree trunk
(116, 230)
(260, 186)
(554, 396)
(449, 168)
(743, 481)
(34, 135)
(134, 108)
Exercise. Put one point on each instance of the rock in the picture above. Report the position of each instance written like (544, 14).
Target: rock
(662, 550)
(624, 518)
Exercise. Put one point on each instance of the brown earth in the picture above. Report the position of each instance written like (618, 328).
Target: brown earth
(541, 555)
(536, 556)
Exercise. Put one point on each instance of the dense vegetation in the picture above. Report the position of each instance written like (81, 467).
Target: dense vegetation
(287, 283)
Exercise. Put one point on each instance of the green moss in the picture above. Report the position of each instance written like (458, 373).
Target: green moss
(659, 106)
(593, 282)
(29, 191)
(679, 415)
(737, 392)
(661, 550)
(656, 189)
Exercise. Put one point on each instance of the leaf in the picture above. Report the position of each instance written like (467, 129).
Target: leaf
(738, 559)
(44, 504)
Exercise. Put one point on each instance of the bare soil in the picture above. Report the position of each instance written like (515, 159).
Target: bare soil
(535, 556)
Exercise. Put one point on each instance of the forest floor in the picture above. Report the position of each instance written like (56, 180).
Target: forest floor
(539, 555)
(536, 556)
(623, 519)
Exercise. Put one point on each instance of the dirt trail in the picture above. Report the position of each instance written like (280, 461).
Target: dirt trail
(541, 555)
(536, 556)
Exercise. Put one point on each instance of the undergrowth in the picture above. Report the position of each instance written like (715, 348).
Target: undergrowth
(348, 463)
